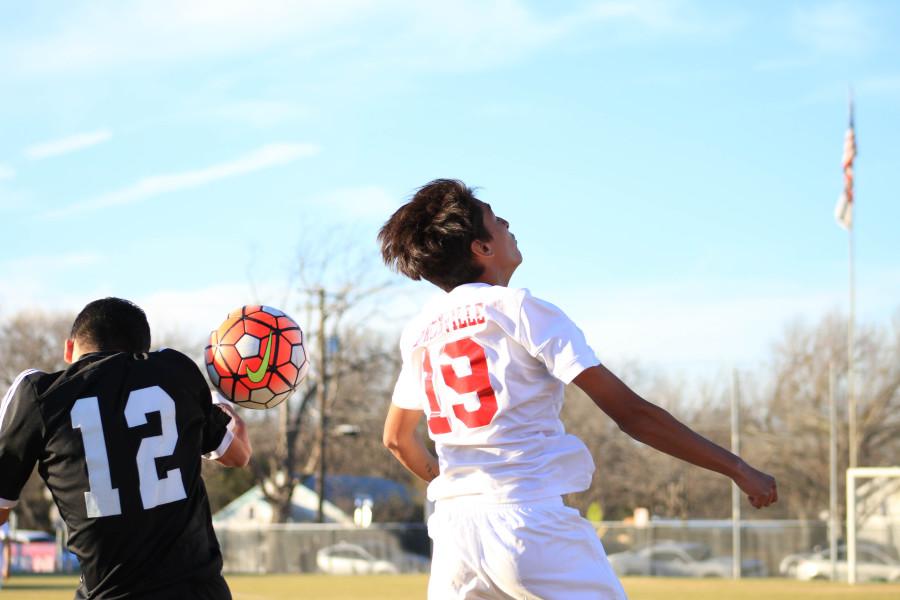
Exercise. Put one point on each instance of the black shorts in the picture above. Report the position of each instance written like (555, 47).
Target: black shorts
(210, 588)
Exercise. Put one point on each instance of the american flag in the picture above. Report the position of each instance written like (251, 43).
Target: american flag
(843, 212)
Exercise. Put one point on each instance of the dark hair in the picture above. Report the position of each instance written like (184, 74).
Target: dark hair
(430, 236)
(112, 324)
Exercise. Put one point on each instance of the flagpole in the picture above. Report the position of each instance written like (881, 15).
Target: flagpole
(851, 389)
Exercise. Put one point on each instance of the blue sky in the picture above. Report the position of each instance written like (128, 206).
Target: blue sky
(669, 168)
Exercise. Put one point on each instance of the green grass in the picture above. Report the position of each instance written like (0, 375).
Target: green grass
(412, 587)
(656, 588)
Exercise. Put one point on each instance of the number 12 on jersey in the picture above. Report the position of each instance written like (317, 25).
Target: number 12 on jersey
(102, 499)
(477, 382)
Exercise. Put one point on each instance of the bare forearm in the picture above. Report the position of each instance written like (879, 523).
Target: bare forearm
(652, 425)
(401, 438)
(657, 428)
(246, 450)
(240, 450)
(413, 455)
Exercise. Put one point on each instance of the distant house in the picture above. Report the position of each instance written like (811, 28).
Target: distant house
(250, 542)
(390, 500)
(342, 493)
(252, 508)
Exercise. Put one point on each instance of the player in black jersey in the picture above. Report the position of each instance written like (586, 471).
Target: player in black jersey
(118, 438)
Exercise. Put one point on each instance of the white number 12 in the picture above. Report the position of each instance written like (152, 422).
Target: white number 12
(102, 499)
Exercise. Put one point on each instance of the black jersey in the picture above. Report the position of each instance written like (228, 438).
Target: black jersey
(118, 438)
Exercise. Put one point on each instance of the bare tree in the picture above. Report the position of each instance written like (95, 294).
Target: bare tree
(334, 287)
(797, 422)
(630, 474)
(32, 340)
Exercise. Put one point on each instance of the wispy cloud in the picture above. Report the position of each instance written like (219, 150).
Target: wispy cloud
(6, 172)
(782, 64)
(180, 313)
(44, 263)
(696, 325)
(362, 201)
(68, 144)
(888, 85)
(671, 326)
(82, 36)
(659, 16)
(478, 35)
(841, 28)
(261, 113)
(20, 289)
(191, 314)
(270, 155)
(463, 34)
(837, 92)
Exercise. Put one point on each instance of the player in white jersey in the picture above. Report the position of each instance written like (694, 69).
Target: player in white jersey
(488, 363)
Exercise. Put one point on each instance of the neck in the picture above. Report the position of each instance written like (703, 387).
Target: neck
(494, 277)
(80, 351)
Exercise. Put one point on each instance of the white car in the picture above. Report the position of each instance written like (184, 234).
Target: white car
(788, 565)
(679, 559)
(344, 558)
(871, 565)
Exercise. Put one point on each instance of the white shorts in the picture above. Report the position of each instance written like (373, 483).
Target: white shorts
(526, 551)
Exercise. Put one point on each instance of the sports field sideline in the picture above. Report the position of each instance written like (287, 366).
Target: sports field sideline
(412, 587)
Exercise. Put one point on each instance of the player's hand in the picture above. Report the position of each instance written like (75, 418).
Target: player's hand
(760, 487)
(240, 450)
(228, 409)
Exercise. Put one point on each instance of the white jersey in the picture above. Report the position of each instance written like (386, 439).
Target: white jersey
(488, 365)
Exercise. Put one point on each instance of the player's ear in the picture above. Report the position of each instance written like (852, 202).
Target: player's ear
(481, 248)
(69, 350)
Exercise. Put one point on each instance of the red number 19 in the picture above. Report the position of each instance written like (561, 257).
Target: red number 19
(476, 382)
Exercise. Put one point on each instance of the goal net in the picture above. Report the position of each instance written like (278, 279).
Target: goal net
(873, 524)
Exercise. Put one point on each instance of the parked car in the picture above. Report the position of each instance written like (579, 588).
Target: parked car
(26, 536)
(680, 559)
(872, 564)
(345, 558)
(788, 564)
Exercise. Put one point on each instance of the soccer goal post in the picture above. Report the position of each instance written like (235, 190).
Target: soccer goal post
(883, 493)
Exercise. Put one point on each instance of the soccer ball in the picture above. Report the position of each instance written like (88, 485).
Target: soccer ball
(256, 357)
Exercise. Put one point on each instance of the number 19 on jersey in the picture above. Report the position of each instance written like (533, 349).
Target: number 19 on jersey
(456, 387)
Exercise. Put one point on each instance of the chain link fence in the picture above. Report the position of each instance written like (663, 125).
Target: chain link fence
(700, 548)
(308, 548)
(703, 548)
(304, 548)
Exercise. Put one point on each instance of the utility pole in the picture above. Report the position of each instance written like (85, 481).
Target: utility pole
(735, 491)
(321, 397)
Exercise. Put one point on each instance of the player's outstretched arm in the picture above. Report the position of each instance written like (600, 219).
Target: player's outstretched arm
(239, 451)
(655, 427)
(401, 439)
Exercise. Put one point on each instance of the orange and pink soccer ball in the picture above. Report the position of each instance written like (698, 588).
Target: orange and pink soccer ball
(256, 358)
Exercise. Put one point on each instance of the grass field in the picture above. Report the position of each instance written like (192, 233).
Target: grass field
(412, 587)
